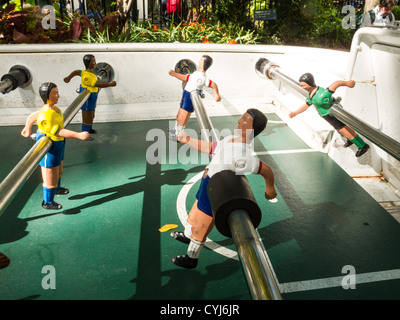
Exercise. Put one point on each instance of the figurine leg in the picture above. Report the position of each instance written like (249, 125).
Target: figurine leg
(60, 190)
(87, 120)
(50, 181)
(202, 225)
(182, 117)
(353, 137)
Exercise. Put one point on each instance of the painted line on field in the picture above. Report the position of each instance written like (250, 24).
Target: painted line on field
(260, 153)
(337, 281)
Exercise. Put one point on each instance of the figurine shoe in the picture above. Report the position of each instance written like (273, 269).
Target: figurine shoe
(62, 190)
(93, 131)
(172, 135)
(348, 144)
(51, 206)
(185, 261)
(362, 150)
(180, 236)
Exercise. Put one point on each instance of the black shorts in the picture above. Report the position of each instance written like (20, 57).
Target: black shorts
(337, 124)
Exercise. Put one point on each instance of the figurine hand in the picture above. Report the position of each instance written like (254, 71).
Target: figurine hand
(292, 114)
(113, 84)
(270, 193)
(217, 98)
(66, 80)
(25, 132)
(171, 72)
(351, 83)
(84, 135)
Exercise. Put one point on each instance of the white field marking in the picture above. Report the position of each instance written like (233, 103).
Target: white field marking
(337, 281)
(260, 153)
(276, 121)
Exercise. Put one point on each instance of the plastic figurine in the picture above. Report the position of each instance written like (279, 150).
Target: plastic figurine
(89, 81)
(195, 81)
(322, 100)
(50, 122)
(232, 153)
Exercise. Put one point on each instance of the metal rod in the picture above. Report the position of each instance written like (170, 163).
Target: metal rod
(377, 137)
(5, 84)
(276, 74)
(202, 117)
(259, 276)
(266, 68)
(10, 186)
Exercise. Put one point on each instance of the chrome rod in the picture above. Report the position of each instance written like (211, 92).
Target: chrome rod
(10, 186)
(260, 278)
(377, 137)
(202, 117)
(5, 85)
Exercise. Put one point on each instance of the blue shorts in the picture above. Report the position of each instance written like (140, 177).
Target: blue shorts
(55, 155)
(186, 102)
(203, 203)
(91, 102)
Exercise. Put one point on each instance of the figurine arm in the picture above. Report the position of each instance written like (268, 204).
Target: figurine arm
(303, 108)
(26, 131)
(268, 175)
(177, 75)
(216, 92)
(341, 83)
(69, 134)
(199, 145)
(101, 84)
(73, 74)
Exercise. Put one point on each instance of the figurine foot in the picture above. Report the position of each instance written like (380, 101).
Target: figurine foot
(180, 236)
(172, 135)
(185, 261)
(62, 190)
(51, 206)
(362, 150)
(348, 144)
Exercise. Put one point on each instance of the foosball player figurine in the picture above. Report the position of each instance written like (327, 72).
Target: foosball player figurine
(50, 122)
(195, 81)
(322, 100)
(89, 81)
(233, 153)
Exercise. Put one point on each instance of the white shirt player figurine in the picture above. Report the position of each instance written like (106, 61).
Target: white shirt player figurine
(195, 81)
(233, 153)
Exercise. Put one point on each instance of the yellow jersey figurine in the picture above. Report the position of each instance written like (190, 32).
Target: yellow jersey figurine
(90, 82)
(50, 122)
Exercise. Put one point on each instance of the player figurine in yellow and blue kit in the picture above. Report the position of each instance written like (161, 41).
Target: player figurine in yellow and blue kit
(50, 122)
(89, 81)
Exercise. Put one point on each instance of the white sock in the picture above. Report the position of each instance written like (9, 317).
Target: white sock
(178, 128)
(194, 248)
